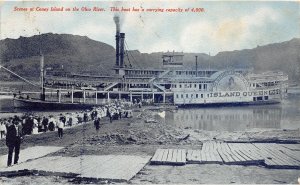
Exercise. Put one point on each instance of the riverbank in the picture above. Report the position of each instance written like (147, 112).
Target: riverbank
(138, 136)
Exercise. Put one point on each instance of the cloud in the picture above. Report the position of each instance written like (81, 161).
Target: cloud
(95, 31)
(229, 26)
(16, 24)
(261, 16)
(228, 33)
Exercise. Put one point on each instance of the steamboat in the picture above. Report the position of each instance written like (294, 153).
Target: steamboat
(172, 84)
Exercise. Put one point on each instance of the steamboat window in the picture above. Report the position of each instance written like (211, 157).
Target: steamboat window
(180, 86)
(187, 95)
(182, 96)
(177, 96)
(196, 95)
(204, 86)
(195, 85)
(266, 97)
(260, 98)
(200, 86)
(201, 95)
(192, 95)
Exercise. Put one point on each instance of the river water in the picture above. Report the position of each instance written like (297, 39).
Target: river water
(285, 115)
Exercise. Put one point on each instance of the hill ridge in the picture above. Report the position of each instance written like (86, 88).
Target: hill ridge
(81, 54)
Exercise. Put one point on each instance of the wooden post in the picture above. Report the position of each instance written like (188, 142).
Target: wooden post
(72, 95)
(96, 97)
(164, 98)
(59, 96)
(119, 95)
(108, 96)
(173, 98)
(83, 96)
(153, 97)
(142, 96)
(130, 97)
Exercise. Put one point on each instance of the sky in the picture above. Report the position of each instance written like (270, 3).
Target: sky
(223, 26)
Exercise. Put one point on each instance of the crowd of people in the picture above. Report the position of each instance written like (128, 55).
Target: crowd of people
(14, 128)
(34, 124)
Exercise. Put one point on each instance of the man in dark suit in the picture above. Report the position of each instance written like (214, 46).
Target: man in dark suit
(13, 140)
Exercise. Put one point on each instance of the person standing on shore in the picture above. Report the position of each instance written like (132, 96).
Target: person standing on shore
(13, 140)
(97, 123)
(31, 124)
(35, 126)
(2, 129)
(60, 127)
(110, 114)
(120, 112)
(52, 123)
(45, 124)
(85, 117)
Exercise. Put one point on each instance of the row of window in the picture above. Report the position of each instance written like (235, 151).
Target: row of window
(266, 84)
(142, 72)
(199, 86)
(139, 72)
(200, 73)
(138, 85)
(260, 98)
(189, 96)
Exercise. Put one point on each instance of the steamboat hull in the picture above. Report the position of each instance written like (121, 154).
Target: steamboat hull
(230, 104)
(45, 105)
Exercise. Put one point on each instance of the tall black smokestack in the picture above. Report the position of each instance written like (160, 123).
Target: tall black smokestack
(117, 22)
(122, 38)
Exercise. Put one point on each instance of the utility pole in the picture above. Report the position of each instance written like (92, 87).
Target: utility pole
(43, 96)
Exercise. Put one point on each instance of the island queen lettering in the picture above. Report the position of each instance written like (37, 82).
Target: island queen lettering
(244, 94)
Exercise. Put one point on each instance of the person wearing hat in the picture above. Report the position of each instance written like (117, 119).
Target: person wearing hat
(13, 140)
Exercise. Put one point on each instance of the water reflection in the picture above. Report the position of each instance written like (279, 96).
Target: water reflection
(226, 119)
(285, 115)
